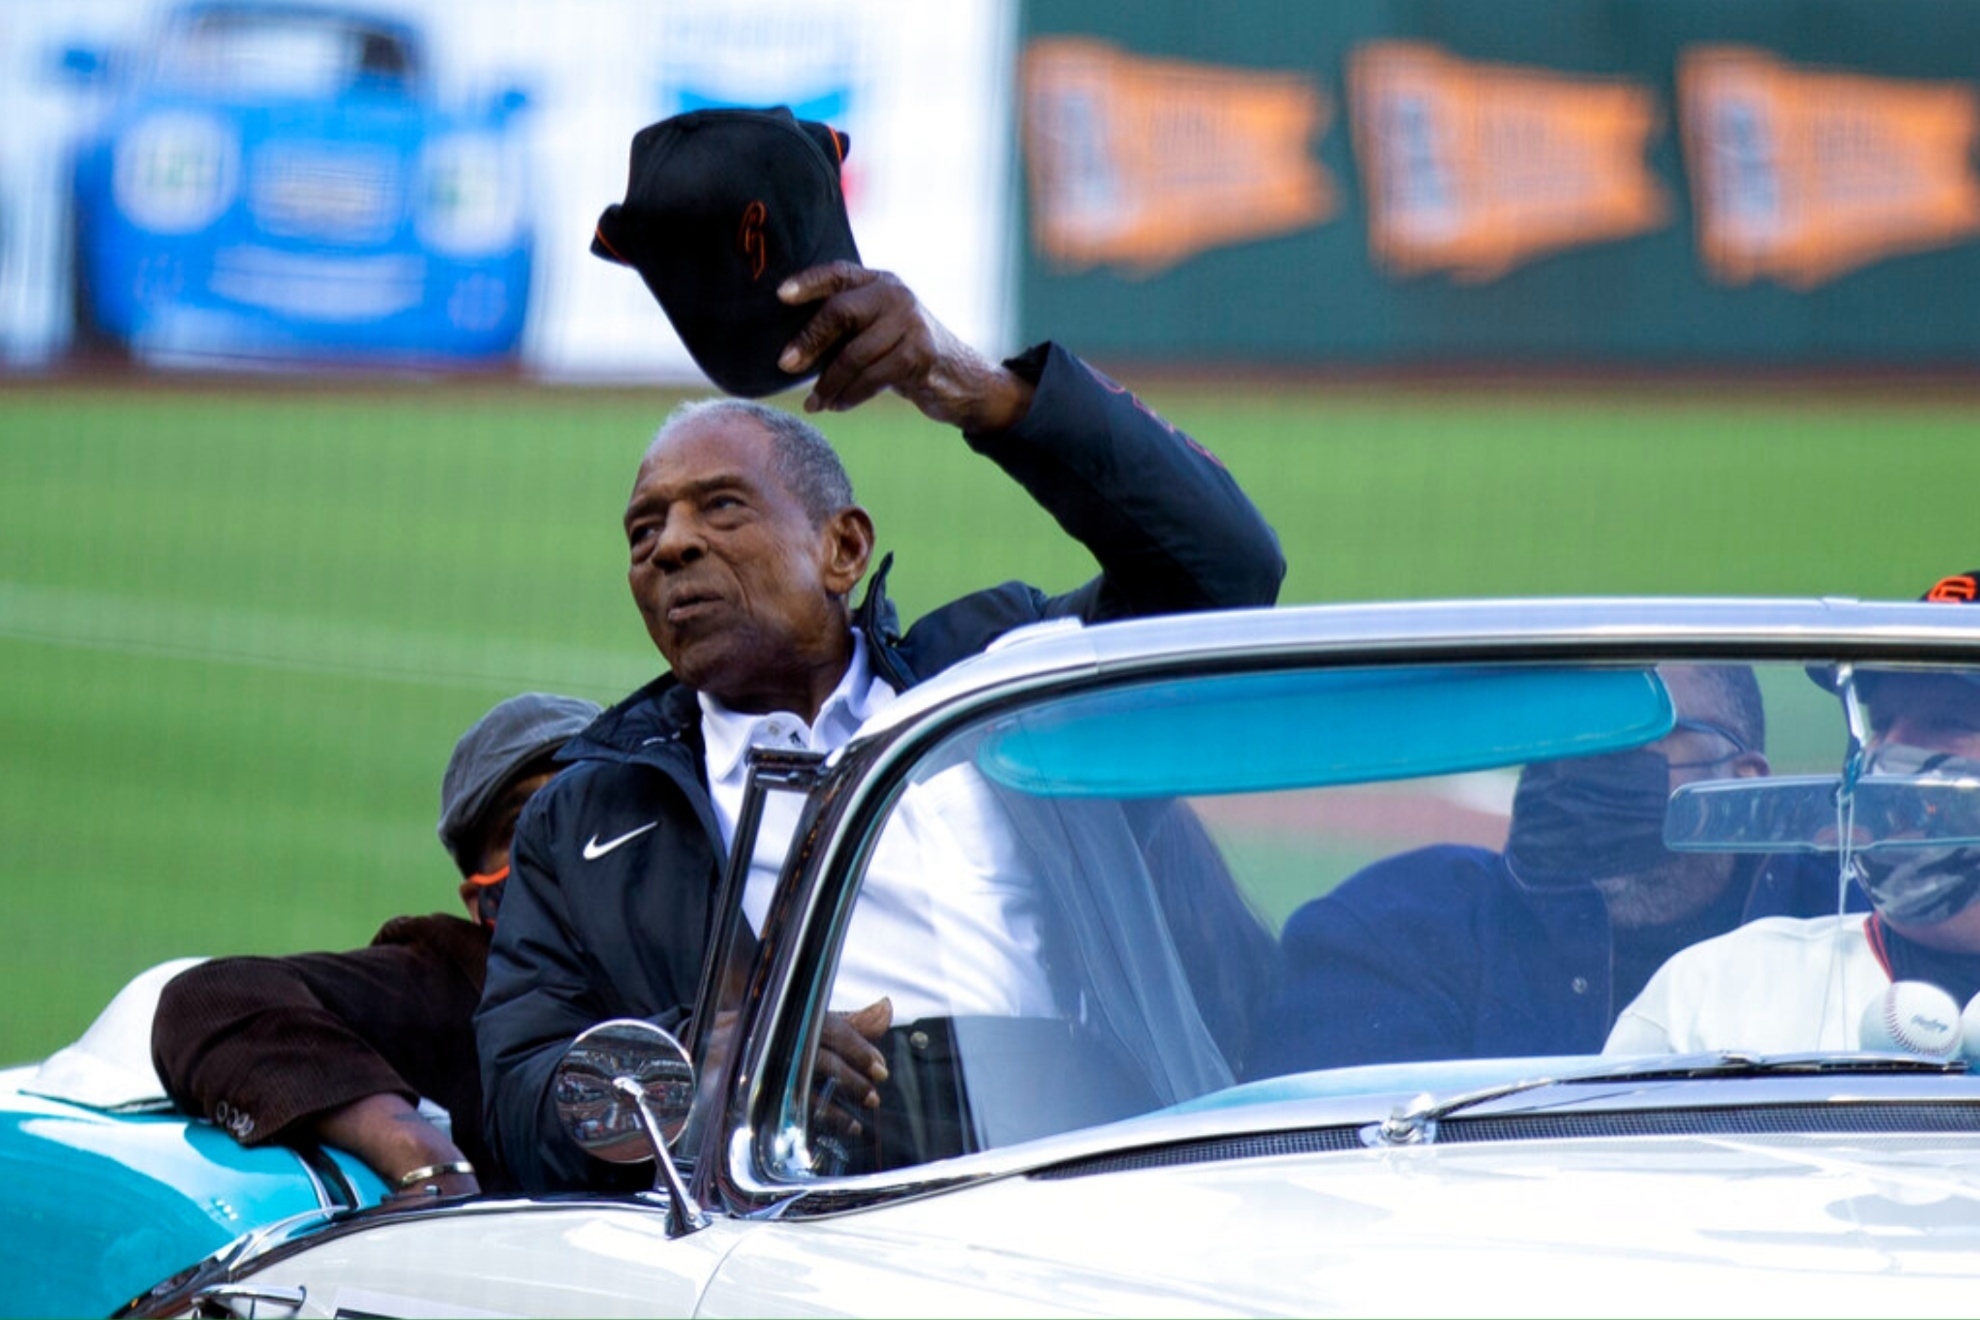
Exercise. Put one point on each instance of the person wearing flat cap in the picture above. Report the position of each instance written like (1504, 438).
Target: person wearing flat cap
(745, 548)
(1784, 984)
(339, 1048)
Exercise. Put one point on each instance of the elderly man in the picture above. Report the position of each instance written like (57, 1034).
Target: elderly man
(1787, 985)
(1414, 957)
(745, 548)
(339, 1047)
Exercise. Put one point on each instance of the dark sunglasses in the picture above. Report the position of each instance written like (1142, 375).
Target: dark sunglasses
(1717, 731)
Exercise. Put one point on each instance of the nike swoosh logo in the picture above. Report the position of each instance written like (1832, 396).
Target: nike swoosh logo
(593, 849)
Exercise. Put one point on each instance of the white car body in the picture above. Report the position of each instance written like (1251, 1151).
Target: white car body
(1614, 1227)
(1836, 1184)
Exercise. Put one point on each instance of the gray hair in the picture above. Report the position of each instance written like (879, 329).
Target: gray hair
(1732, 696)
(806, 461)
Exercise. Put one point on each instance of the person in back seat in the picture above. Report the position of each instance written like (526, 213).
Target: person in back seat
(1788, 985)
(1457, 952)
(340, 1047)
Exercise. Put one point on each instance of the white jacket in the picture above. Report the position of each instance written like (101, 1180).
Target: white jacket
(1777, 985)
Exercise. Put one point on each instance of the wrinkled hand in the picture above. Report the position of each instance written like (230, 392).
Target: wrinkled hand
(886, 340)
(849, 1067)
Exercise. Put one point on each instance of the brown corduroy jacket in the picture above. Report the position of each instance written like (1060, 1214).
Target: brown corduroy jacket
(261, 1046)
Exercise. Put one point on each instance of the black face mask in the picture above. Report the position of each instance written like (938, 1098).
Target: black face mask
(1920, 886)
(1589, 818)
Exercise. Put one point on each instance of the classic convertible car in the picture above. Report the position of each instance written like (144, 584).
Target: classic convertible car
(1312, 925)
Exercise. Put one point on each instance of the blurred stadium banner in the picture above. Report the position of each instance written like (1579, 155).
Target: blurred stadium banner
(1475, 168)
(1805, 175)
(1140, 163)
(1607, 182)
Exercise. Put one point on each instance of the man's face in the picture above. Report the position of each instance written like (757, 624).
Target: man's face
(1937, 712)
(742, 594)
(1684, 883)
(1934, 713)
(482, 891)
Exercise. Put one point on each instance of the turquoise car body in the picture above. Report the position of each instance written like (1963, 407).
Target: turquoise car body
(110, 1191)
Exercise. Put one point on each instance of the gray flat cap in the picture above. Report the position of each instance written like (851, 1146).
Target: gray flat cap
(520, 730)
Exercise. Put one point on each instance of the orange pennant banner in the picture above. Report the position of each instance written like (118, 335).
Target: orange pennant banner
(1475, 168)
(1803, 175)
(1141, 163)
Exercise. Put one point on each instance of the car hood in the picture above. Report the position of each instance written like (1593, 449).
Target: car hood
(1855, 1225)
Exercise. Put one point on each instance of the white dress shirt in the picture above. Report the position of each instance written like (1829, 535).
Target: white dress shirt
(946, 922)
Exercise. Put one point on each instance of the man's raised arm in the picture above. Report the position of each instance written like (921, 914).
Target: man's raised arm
(1170, 527)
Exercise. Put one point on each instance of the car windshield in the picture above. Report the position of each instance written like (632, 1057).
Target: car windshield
(259, 51)
(1216, 889)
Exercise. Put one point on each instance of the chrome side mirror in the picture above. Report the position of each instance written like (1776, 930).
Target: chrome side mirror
(623, 1090)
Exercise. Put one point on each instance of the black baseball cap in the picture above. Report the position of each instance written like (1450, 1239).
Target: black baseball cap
(505, 741)
(721, 207)
(1959, 589)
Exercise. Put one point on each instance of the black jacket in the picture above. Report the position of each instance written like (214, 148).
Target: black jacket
(616, 863)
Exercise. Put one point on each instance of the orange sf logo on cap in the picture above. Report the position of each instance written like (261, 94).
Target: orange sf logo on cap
(1962, 588)
(750, 239)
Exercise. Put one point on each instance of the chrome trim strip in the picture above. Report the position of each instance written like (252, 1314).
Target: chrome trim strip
(1353, 1113)
(334, 1189)
(328, 1203)
(271, 1244)
(770, 770)
(228, 1293)
(1416, 627)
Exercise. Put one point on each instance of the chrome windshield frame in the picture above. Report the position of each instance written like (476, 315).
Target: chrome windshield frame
(732, 1169)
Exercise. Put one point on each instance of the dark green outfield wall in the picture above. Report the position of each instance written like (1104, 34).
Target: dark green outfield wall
(1316, 297)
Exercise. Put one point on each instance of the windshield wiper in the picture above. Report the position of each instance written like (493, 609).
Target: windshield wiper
(1414, 1123)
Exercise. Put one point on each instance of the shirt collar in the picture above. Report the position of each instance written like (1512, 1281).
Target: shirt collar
(727, 734)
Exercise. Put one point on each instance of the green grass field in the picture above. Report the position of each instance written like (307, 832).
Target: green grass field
(240, 628)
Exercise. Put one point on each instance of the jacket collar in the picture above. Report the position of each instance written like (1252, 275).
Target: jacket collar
(878, 621)
(663, 714)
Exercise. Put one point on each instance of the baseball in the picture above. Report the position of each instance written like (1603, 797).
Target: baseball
(1969, 1031)
(1913, 1017)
